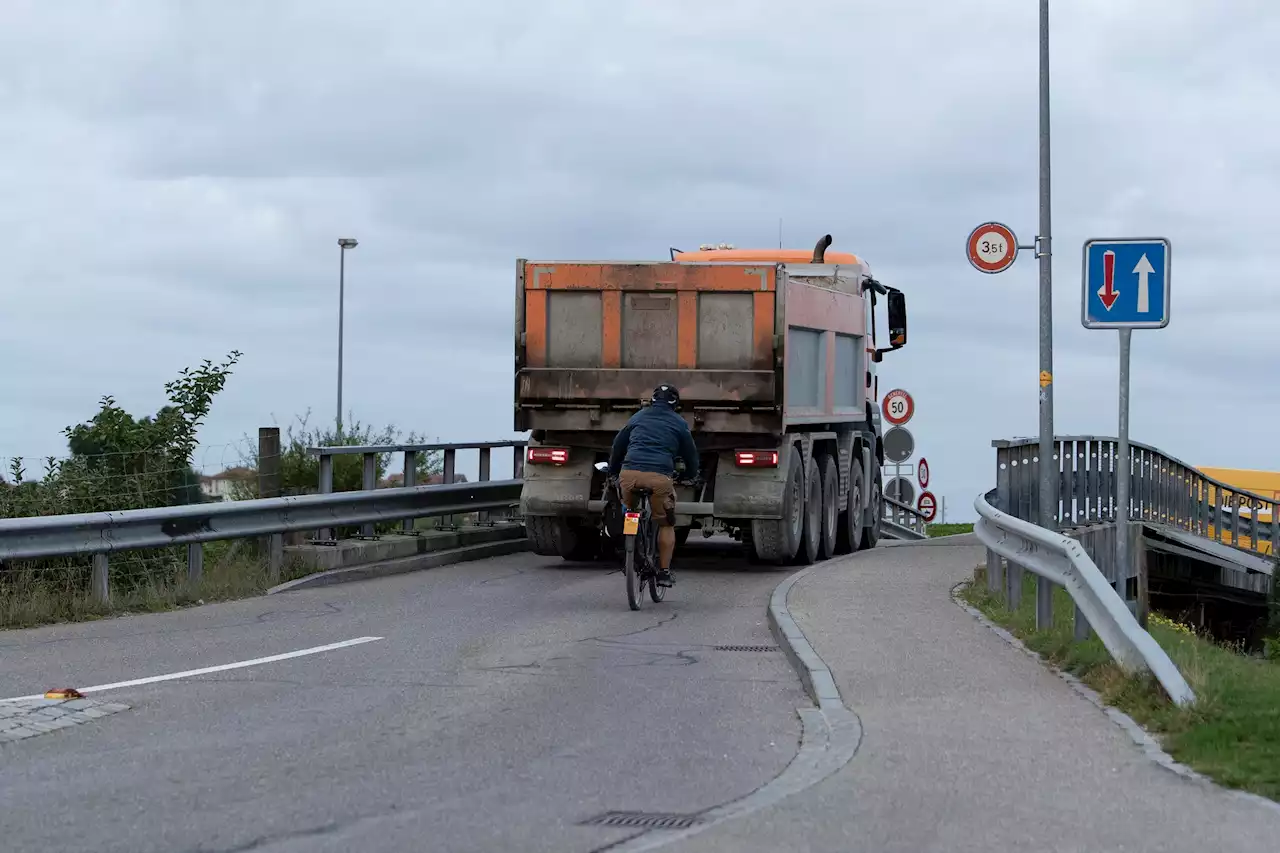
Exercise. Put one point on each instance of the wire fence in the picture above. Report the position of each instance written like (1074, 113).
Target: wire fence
(38, 591)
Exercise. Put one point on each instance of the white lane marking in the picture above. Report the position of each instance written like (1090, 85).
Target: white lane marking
(152, 679)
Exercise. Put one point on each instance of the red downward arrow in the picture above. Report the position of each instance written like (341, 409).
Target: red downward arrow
(1108, 293)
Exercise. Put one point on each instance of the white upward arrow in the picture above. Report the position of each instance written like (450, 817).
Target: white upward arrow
(1143, 269)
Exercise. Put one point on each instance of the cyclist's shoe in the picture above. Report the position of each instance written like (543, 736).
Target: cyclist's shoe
(666, 578)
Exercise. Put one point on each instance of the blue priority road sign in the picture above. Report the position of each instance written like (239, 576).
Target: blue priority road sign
(1126, 284)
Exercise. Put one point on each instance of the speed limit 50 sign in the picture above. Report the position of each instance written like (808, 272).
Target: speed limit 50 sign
(898, 407)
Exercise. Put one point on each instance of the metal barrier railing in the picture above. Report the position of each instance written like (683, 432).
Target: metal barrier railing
(1163, 490)
(1062, 561)
(411, 455)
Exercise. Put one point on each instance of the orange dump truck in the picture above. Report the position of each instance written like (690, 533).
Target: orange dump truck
(774, 353)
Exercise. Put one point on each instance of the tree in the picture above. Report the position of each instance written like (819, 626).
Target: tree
(118, 461)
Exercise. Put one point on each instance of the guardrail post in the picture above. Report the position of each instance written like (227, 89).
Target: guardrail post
(326, 488)
(517, 463)
(995, 572)
(99, 584)
(369, 483)
(275, 557)
(195, 562)
(485, 453)
(410, 480)
(1082, 629)
(1005, 459)
(450, 466)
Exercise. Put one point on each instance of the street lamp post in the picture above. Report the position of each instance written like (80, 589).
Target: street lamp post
(1049, 476)
(344, 243)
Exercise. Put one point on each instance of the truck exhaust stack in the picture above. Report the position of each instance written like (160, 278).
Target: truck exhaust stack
(820, 250)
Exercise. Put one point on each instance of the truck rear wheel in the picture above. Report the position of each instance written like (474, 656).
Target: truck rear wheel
(850, 532)
(551, 536)
(830, 510)
(807, 553)
(871, 533)
(776, 541)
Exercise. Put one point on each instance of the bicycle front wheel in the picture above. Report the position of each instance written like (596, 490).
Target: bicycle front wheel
(635, 591)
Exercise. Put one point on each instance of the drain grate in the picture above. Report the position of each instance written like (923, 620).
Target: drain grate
(643, 820)
(746, 648)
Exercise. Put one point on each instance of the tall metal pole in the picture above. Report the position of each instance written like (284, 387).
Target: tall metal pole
(1048, 470)
(342, 263)
(1048, 467)
(1124, 569)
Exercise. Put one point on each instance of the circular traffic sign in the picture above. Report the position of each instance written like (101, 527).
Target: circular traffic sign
(898, 407)
(927, 506)
(898, 445)
(991, 247)
(901, 490)
(922, 472)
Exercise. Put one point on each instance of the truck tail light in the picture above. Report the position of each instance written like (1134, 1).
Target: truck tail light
(548, 455)
(756, 458)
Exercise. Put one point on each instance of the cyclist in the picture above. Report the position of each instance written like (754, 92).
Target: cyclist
(643, 457)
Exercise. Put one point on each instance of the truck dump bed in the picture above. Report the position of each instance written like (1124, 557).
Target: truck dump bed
(752, 346)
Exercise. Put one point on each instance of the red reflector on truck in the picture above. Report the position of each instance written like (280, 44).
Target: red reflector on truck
(757, 458)
(548, 455)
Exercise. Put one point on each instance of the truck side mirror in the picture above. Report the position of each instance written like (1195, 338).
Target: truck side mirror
(897, 310)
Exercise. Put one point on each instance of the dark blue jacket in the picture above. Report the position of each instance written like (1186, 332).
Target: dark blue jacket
(652, 440)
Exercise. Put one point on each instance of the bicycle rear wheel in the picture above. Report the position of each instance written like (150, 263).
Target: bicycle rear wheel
(633, 561)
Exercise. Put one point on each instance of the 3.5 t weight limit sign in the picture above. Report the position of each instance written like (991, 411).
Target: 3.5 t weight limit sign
(992, 247)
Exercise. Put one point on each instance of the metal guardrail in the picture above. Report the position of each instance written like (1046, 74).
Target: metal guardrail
(903, 521)
(1163, 490)
(101, 533)
(411, 453)
(1063, 561)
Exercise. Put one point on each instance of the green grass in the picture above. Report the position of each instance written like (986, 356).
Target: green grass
(948, 529)
(1231, 733)
(51, 593)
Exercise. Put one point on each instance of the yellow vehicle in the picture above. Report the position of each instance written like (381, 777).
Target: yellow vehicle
(1263, 483)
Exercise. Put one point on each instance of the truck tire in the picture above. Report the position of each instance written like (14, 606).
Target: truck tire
(850, 532)
(776, 541)
(541, 532)
(871, 533)
(807, 553)
(682, 536)
(551, 536)
(830, 510)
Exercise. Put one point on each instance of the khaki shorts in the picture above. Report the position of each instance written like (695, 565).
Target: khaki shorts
(663, 499)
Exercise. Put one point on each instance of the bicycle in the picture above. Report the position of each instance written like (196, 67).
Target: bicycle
(640, 546)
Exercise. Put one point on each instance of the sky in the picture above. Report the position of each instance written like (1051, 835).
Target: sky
(175, 177)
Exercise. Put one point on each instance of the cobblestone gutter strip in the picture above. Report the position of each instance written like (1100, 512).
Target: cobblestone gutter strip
(24, 718)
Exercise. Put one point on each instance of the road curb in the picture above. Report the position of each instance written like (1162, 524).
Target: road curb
(814, 673)
(1141, 738)
(404, 565)
(830, 734)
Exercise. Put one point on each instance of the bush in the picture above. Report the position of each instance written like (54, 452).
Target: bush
(300, 471)
(115, 462)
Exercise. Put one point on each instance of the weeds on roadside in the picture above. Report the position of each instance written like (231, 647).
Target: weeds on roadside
(1232, 731)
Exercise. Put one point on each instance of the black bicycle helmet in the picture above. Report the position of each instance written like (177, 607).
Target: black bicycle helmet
(666, 394)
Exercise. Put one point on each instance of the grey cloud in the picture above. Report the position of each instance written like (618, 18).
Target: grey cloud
(177, 186)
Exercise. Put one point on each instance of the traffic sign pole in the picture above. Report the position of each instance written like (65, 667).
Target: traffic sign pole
(1119, 293)
(1123, 469)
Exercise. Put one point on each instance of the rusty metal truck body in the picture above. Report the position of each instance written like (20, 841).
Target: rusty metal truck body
(774, 354)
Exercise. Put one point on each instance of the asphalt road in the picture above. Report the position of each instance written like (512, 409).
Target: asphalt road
(507, 701)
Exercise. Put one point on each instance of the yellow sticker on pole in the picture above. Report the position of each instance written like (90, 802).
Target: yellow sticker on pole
(1046, 379)
(631, 524)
